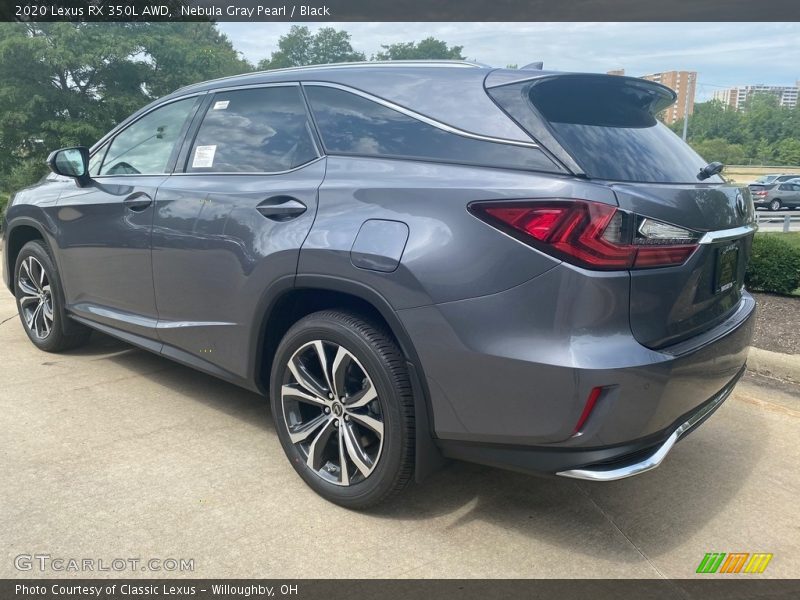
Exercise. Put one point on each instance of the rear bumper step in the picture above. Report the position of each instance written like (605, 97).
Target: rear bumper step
(623, 468)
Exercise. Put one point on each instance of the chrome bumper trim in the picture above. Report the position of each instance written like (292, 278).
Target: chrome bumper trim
(655, 459)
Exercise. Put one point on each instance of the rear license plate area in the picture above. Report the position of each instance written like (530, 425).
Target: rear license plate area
(726, 272)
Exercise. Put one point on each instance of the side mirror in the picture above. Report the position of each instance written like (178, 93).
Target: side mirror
(71, 162)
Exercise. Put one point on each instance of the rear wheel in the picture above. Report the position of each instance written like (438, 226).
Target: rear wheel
(775, 205)
(343, 408)
(40, 301)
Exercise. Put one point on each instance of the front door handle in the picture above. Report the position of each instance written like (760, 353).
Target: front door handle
(281, 208)
(137, 201)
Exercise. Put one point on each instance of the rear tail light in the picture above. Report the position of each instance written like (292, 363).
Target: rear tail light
(591, 234)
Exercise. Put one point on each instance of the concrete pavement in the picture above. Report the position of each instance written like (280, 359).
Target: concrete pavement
(110, 452)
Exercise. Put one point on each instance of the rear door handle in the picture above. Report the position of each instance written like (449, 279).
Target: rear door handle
(137, 201)
(281, 208)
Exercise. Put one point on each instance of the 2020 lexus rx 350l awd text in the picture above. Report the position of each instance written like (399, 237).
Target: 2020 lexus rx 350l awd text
(414, 261)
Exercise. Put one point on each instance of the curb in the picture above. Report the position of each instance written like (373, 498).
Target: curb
(774, 364)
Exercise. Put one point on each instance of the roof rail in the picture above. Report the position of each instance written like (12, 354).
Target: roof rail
(367, 63)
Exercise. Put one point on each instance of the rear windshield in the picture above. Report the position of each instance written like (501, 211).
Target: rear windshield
(760, 188)
(608, 125)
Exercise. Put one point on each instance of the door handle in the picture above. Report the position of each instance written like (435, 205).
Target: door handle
(281, 208)
(137, 201)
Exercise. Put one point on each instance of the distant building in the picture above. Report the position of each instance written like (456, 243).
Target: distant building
(737, 97)
(683, 83)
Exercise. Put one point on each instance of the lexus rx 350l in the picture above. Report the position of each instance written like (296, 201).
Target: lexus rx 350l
(412, 260)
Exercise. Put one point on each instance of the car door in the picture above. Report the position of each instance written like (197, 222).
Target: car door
(105, 227)
(230, 221)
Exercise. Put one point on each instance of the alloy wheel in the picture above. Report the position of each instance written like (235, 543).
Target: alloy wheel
(36, 297)
(332, 413)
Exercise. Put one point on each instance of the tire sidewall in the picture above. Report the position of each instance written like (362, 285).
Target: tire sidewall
(383, 477)
(39, 252)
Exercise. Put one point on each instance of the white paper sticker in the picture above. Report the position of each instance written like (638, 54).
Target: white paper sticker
(203, 157)
(221, 105)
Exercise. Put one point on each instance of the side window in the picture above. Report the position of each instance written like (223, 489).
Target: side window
(97, 160)
(352, 124)
(785, 186)
(145, 146)
(259, 130)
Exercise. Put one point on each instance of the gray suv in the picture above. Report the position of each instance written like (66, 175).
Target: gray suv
(414, 261)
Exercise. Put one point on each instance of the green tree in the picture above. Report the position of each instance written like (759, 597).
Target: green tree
(64, 84)
(300, 47)
(429, 48)
(788, 151)
(717, 149)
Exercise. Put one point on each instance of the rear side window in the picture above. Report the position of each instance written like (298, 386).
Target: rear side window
(260, 130)
(609, 127)
(354, 125)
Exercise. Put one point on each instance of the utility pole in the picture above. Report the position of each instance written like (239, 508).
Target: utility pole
(686, 104)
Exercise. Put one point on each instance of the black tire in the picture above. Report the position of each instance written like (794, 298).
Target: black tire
(60, 335)
(378, 358)
(775, 204)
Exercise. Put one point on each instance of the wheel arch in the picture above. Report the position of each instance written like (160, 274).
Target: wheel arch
(288, 301)
(20, 233)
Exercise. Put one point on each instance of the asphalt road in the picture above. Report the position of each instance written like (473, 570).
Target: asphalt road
(111, 452)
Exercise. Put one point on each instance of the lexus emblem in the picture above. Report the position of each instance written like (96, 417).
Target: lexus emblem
(740, 205)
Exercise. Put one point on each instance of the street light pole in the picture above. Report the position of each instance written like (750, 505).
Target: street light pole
(686, 105)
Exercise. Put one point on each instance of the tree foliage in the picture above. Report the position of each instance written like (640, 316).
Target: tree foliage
(428, 49)
(300, 47)
(762, 133)
(64, 84)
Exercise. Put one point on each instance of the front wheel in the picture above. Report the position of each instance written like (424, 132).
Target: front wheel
(40, 301)
(775, 205)
(343, 408)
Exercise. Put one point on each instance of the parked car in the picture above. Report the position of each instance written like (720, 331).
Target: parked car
(775, 178)
(414, 261)
(776, 196)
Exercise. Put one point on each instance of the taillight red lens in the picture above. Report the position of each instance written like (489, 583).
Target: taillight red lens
(591, 234)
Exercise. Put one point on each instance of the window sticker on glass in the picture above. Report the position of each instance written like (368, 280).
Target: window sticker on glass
(221, 105)
(204, 157)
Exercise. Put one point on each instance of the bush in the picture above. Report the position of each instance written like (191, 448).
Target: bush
(774, 265)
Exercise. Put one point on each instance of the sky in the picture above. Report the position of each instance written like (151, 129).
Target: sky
(723, 54)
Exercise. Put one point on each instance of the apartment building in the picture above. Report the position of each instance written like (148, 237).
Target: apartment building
(737, 97)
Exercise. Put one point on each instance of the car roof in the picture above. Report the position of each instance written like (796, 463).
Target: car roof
(450, 92)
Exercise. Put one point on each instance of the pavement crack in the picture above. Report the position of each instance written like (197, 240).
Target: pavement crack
(630, 541)
(7, 319)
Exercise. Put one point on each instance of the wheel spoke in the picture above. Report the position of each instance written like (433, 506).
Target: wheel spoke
(27, 299)
(362, 398)
(43, 327)
(30, 319)
(305, 379)
(339, 370)
(323, 361)
(374, 424)
(317, 448)
(355, 451)
(300, 433)
(27, 288)
(48, 311)
(345, 475)
(288, 391)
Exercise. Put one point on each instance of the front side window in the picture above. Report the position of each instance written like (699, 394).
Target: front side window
(145, 147)
(352, 124)
(260, 130)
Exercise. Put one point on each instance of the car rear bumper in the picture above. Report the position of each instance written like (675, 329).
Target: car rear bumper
(509, 376)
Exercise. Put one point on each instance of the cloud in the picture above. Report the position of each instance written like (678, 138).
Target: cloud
(723, 54)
